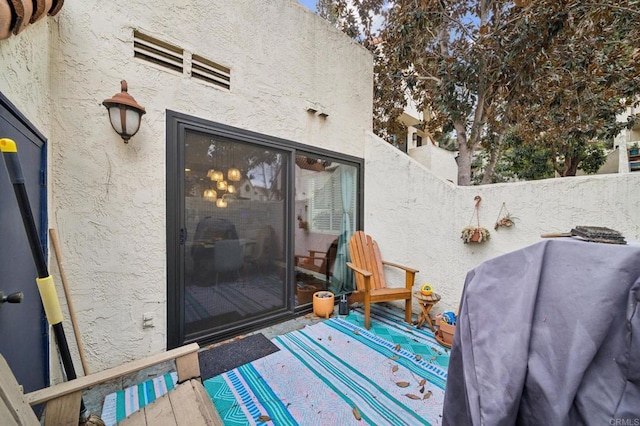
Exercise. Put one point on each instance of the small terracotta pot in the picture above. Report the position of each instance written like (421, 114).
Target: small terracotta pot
(323, 306)
(305, 294)
(447, 331)
(476, 236)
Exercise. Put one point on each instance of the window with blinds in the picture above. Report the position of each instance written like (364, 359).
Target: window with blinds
(326, 203)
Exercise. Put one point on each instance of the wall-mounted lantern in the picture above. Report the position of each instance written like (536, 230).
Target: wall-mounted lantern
(124, 113)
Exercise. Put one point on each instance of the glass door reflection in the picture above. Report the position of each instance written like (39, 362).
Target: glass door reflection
(235, 216)
(326, 212)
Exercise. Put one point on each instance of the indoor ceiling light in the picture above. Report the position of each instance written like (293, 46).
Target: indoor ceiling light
(217, 176)
(233, 174)
(210, 194)
(221, 202)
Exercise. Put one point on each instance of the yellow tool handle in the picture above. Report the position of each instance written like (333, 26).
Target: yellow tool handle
(49, 298)
(8, 145)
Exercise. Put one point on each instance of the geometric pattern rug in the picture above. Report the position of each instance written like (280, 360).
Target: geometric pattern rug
(336, 372)
(123, 403)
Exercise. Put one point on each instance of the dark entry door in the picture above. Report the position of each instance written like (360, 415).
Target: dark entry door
(23, 330)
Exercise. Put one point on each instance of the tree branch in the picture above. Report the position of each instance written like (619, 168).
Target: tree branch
(612, 6)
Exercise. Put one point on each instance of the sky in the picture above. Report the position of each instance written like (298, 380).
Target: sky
(311, 4)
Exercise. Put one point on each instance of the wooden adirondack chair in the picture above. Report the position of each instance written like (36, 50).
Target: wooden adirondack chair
(187, 404)
(371, 286)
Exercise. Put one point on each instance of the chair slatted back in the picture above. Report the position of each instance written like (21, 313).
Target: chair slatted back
(365, 254)
(14, 410)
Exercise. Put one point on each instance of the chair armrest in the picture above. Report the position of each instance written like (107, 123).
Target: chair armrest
(395, 265)
(184, 356)
(410, 274)
(367, 279)
(358, 270)
(304, 256)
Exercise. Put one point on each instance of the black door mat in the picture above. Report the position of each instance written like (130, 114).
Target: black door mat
(228, 356)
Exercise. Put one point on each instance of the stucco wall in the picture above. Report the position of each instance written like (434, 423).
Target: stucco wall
(440, 161)
(25, 72)
(419, 224)
(107, 198)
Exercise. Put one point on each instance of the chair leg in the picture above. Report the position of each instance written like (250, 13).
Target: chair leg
(367, 316)
(408, 314)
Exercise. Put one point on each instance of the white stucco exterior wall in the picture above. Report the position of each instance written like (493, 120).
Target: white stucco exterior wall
(440, 161)
(108, 199)
(418, 224)
(25, 72)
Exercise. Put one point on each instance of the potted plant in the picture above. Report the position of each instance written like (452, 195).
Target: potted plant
(303, 224)
(474, 234)
(634, 149)
(508, 220)
(445, 330)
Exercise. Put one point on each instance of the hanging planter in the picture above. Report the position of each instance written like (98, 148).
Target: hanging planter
(303, 224)
(475, 233)
(505, 218)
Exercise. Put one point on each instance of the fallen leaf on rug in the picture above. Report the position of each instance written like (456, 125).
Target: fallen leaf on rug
(356, 413)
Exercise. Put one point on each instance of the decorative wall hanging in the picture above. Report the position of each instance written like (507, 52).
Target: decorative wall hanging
(475, 233)
(505, 218)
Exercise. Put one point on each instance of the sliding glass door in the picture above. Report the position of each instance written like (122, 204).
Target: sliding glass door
(235, 221)
(326, 212)
(255, 225)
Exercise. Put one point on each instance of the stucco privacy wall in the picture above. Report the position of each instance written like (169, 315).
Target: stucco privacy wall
(108, 198)
(25, 73)
(417, 217)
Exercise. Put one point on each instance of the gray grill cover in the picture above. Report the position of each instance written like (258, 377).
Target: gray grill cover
(549, 335)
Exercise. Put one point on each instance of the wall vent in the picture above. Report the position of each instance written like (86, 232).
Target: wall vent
(158, 52)
(211, 72)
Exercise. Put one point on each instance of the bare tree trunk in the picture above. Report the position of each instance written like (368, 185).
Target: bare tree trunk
(491, 166)
(493, 160)
(464, 156)
(570, 165)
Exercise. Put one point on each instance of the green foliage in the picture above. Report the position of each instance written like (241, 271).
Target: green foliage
(553, 72)
(524, 161)
(594, 158)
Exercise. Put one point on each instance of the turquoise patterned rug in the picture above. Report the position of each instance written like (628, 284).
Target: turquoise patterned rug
(338, 373)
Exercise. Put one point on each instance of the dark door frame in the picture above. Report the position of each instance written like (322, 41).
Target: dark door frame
(176, 126)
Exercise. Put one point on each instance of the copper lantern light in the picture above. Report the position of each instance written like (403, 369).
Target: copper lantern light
(124, 113)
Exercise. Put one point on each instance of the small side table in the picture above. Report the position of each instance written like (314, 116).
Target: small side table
(426, 304)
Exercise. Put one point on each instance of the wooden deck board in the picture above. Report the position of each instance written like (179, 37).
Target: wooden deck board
(187, 404)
